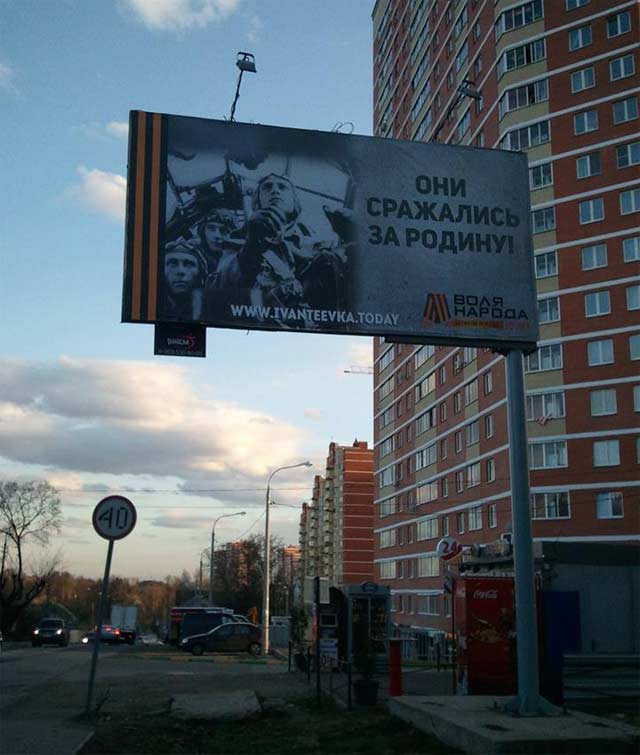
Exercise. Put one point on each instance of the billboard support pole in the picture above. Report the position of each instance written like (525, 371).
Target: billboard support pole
(528, 701)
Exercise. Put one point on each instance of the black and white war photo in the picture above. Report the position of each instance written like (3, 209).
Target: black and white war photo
(253, 233)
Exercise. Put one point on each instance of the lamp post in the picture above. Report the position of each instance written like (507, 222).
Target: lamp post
(213, 543)
(466, 89)
(245, 62)
(267, 558)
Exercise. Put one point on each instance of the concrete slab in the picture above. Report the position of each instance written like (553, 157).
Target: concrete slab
(226, 706)
(477, 725)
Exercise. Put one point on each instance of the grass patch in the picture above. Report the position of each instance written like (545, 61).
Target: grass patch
(301, 727)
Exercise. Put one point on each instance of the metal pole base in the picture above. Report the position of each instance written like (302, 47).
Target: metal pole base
(533, 705)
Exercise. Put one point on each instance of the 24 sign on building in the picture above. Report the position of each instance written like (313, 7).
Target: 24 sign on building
(245, 226)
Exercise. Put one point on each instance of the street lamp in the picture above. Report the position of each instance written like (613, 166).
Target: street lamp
(245, 62)
(213, 542)
(466, 89)
(267, 558)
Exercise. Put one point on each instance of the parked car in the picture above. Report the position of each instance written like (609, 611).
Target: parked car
(241, 618)
(109, 634)
(226, 638)
(50, 632)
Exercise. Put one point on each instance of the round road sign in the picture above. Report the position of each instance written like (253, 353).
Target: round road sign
(114, 517)
(448, 548)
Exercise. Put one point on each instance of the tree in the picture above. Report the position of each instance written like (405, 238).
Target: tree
(29, 512)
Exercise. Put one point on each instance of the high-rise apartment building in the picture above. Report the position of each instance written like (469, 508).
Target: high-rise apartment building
(336, 539)
(559, 80)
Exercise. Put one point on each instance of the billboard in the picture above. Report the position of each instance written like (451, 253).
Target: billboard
(238, 225)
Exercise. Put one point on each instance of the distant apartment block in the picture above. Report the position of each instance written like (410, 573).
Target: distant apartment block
(336, 528)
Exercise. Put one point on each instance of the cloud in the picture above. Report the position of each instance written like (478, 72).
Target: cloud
(138, 419)
(314, 414)
(181, 521)
(120, 129)
(7, 77)
(255, 27)
(179, 15)
(101, 191)
(358, 354)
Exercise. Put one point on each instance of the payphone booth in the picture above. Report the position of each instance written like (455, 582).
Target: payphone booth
(369, 621)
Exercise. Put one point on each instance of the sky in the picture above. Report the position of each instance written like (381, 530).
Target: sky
(83, 401)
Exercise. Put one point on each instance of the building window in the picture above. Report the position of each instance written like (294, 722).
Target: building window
(386, 477)
(444, 487)
(521, 15)
(425, 421)
(597, 304)
(633, 298)
(549, 310)
(606, 453)
(588, 165)
(443, 411)
(543, 220)
(541, 176)
(459, 482)
(425, 457)
(620, 68)
(427, 529)
(491, 470)
(594, 256)
(550, 505)
(580, 37)
(627, 155)
(473, 475)
(585, 122)
(427, 492)
(546, 264)
(625, 110)
(458, 439)
(631, 249)
(386, 388)
(473, 432)
(469, 354)
(618, 24)
(471, 392)
(541, 407)
(456, 402)
(545, 358)
(629, 201)
(603, 402)
(487, 379)
(386, 447)
(591, 210)
(609, 506)
(443, 448)
(585, 78)
(523, 55)
(636, 398)
(548, 455)
(634, 347)
(442, 374)
(426, 386)
(523, 96)
(475, 518)
(428, 566)
(387, 570)
(387, 539)
(492, 518)
(460, 523)
(600, 352)
(528, 136)
(423, 354)
(387, 508)
(386, 418)
(385, 359)
(573, 4)
(444, 521)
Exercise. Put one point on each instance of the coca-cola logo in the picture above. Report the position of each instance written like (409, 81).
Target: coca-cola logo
(485, 594)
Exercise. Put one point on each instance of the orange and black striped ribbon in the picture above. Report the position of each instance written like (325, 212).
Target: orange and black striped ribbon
(146, 196)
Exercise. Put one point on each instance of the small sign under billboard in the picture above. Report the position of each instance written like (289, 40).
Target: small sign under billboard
(245, 226)
(175, 339)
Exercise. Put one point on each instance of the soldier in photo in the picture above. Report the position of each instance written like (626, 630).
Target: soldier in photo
(184, 272)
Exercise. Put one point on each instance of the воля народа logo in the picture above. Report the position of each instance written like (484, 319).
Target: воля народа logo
(436, 309)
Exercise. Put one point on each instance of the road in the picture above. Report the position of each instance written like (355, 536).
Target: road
(45, 688)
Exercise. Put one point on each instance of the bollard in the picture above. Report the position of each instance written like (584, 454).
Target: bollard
(395, 667)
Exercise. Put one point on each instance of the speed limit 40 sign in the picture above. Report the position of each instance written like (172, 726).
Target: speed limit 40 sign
(114, 517)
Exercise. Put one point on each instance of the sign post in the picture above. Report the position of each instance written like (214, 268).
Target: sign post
(113, 519)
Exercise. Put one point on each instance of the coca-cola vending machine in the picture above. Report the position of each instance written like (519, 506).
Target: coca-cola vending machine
(485, 626)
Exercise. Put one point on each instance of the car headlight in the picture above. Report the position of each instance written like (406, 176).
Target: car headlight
(36, 631)
(85, 640)
(183, 642)
(58, 631)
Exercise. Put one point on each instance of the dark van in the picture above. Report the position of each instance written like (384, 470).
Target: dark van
(187, 621)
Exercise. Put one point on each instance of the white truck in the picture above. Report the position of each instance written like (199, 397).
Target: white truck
(125, 619)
